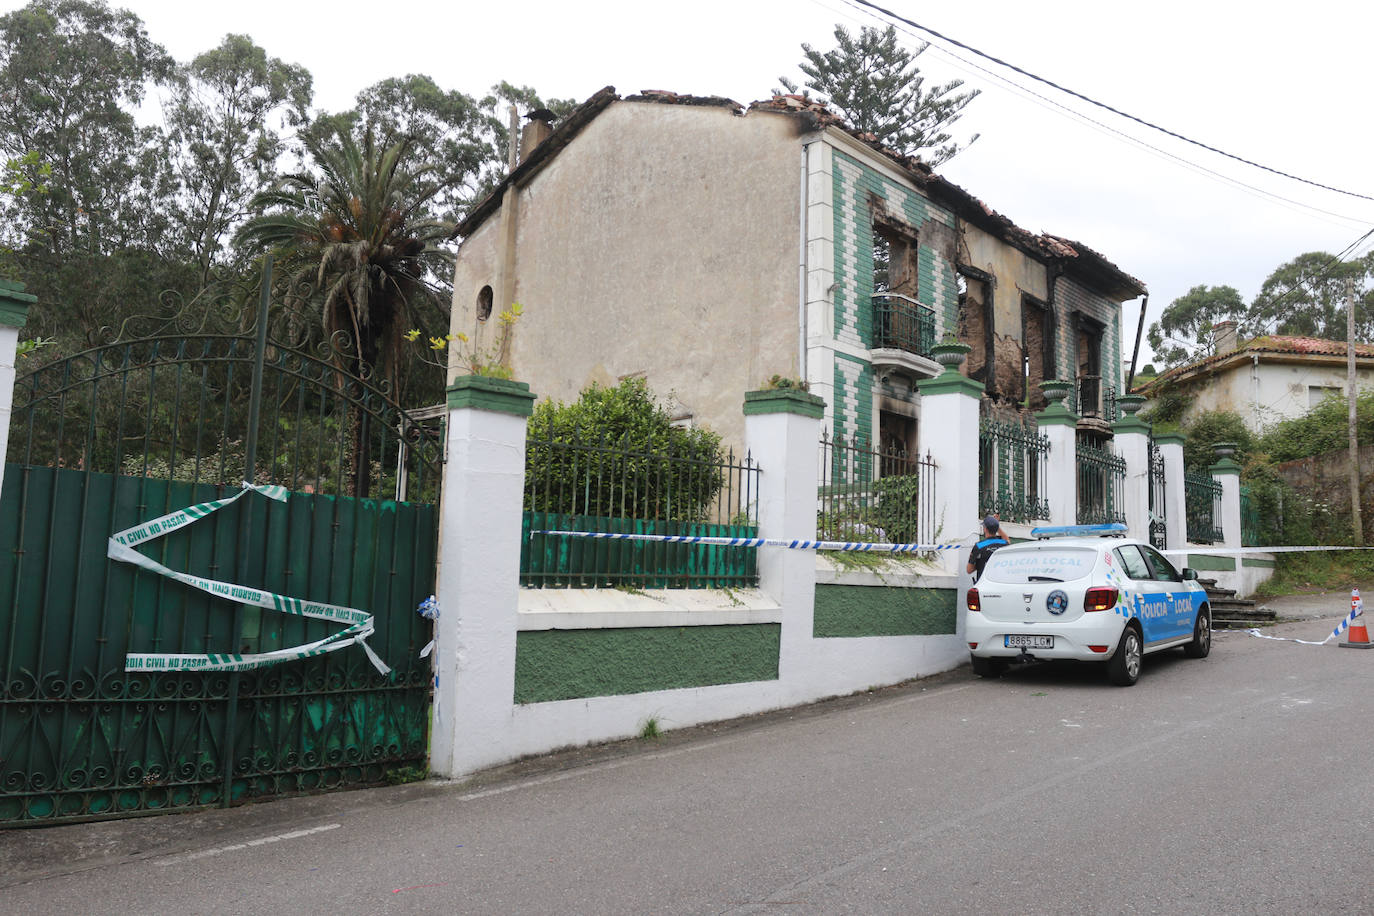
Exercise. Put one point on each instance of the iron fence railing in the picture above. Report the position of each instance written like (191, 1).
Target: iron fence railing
(1101, 486)
(1013, 467)
(868, 494)
(1090, 398)
(902, 323)
(1159, 527)
(1249, 520)
(587, 482)
(1202, 500)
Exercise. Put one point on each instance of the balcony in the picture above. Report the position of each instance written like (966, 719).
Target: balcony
(902, 323)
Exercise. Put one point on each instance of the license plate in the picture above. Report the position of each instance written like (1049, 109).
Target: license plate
(1028, 642)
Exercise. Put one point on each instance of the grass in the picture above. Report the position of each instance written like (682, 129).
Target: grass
(649, 731)
(1319, 571)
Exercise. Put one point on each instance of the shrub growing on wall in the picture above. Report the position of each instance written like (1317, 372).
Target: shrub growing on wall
(614, 452)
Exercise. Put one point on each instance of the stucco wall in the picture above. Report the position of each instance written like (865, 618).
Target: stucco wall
(662, 241)
(1270, 392)
(1014, 273)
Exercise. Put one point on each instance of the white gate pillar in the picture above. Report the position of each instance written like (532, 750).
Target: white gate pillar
(478, 582)
(782, 430)
(14, 311)
(1132, 441)
(949, 434)
(1227, 472)
(1060, 425)
(1175, 496)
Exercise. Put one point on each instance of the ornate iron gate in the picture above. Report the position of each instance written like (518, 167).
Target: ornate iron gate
(130, 431)
(1159, 536)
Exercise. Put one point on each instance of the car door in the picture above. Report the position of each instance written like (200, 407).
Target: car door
(1181, 602)
(1146, 601)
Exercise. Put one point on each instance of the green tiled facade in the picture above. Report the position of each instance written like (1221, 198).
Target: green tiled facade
(853, 398)
(855, 184)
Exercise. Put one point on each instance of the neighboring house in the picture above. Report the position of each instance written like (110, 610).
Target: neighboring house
(709, 247)
(1266, 379)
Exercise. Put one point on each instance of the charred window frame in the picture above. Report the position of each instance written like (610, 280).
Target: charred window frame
(1037, 349)
(1088, 333)
(894, 257)
(976, 291)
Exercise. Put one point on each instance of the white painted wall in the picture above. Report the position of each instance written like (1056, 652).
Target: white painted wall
(1270, 389)
(476, 722)
(664, 240)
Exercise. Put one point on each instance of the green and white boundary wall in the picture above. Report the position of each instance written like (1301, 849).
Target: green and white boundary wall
(14, 310)
(524, 671)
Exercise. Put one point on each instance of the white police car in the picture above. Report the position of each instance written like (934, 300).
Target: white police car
(1102, 599)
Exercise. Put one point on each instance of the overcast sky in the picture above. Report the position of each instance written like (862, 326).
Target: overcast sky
(1283, 84)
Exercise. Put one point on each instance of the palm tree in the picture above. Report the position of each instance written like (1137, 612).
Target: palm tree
(357, 242)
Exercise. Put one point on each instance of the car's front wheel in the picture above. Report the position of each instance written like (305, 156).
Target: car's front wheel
(1124, 667)
(1202, 635)
(988, 667)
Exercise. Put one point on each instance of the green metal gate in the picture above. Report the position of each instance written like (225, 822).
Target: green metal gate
(127, 432)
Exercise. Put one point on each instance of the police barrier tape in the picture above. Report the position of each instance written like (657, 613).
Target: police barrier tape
(758, 542)
(1240, 551)
(1355, 611)
(360, 623)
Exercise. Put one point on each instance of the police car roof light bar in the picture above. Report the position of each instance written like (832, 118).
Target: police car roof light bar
(1111, 529)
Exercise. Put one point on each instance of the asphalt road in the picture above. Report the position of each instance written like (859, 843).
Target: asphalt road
(1235, 784)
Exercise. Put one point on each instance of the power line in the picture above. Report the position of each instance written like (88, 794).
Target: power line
(1116, 111)
(1065, 111)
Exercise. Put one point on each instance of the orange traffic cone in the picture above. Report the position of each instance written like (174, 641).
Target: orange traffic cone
(1359, 636)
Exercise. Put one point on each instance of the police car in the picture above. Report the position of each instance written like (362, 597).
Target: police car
(1071, 595)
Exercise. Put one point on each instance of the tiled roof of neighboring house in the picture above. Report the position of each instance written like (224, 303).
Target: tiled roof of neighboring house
(817, 116)
(1276, 344)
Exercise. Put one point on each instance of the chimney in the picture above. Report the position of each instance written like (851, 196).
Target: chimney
(536, 131)
(1223, 337)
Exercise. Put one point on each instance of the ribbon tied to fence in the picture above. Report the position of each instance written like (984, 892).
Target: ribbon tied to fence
(849, 546)
(359, 623)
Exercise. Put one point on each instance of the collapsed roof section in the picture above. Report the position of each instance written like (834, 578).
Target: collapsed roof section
(813, 116)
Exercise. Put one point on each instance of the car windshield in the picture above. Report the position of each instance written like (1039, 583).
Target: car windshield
(1041, 564)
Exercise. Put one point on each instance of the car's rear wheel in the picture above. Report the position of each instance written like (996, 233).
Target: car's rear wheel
(1202, 635)
(988, 667)
(1123, 669)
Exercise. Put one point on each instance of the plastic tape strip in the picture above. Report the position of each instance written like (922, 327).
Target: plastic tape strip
(1340, 628)
(757, 542)
(360, 625)
(1236, 551)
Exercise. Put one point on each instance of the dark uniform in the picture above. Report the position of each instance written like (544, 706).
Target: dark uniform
(978, 557)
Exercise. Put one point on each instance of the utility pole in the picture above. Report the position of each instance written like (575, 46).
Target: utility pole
(1356, 521)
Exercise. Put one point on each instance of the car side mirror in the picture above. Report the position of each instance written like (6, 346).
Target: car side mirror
(1189, 573)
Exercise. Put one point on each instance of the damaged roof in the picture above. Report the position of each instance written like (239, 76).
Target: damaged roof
(816, 116)
(1277, 345)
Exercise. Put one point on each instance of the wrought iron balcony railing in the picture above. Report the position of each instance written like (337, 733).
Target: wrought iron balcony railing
(902, 323)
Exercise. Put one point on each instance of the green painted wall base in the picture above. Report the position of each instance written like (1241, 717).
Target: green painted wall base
(871, 610)
(1211, 563)
(573, 664)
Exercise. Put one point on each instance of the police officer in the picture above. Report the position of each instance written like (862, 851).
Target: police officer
(992, 539)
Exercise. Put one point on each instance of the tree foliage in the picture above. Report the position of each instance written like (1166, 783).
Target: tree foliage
(223, 144)
(359, 243)
(86, 181)
(1322, 429)
(1207, 429)
(614, 452)
(1184, 332)
(1303, 297)
(1306, 297)
(875, 83)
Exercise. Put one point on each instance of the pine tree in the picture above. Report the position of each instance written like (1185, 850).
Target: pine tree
(876, 85)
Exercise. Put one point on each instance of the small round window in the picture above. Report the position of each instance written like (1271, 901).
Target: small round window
(484, 304)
